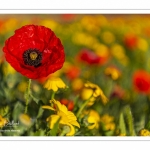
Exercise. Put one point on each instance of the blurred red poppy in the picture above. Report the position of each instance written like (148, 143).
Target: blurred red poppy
(34, 51)
(118, 93)
(68, 17)
(68, 103)
(141, 81)
(131, 41)
(88, 57)
(73, 72)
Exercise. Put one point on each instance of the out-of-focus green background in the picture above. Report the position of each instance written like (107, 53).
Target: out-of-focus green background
(120, 41)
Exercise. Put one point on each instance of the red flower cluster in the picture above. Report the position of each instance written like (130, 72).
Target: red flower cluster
(34, 51)
(141, 81)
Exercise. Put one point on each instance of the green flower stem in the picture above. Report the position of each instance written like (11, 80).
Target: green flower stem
(83, 106)
(53, 95)
(27, 96)
(63, 133)
(65, 130)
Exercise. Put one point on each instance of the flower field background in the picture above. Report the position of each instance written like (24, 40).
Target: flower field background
(102, 89)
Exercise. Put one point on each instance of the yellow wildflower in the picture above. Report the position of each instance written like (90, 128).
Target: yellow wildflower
(25, 119)
(67, 118)
(3, 121)
(94, 118)
(95, 91)
(144, 132)
(53, 83)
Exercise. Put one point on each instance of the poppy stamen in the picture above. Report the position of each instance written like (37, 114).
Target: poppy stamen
(32, 57)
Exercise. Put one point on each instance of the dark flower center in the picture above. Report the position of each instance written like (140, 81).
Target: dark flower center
(32, 57)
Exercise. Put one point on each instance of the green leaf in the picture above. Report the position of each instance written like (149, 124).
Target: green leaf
(129, 119)
(38, 133)
(34, 98)
(40, 112)
(147, 126)
(54, 131)
(18, 109)
(4, 110)
(122, 125)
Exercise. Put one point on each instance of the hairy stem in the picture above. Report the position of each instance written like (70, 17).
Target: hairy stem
(27, 96)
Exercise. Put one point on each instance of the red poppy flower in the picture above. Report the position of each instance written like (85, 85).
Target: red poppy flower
(34, 51)
(69, 104)
(141, 81)
(88, 57)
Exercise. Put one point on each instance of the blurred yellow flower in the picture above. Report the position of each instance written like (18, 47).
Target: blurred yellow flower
(3, 121)
(108, 122)
(118, 52)
(101, 49)
(25, 119)
(22, 86)
(67, 118)
(110, 126)
(107, 118)
(102, 20)
(77, 84)
(142, 44)
(53, 83)
(144, 132)
(118, 23)
(113, 72)
(93, 118)
(96, 91)
(85, 39)
(9, 25)
(108, 37)
(50, 24)
(90, 23)
(8, 69)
